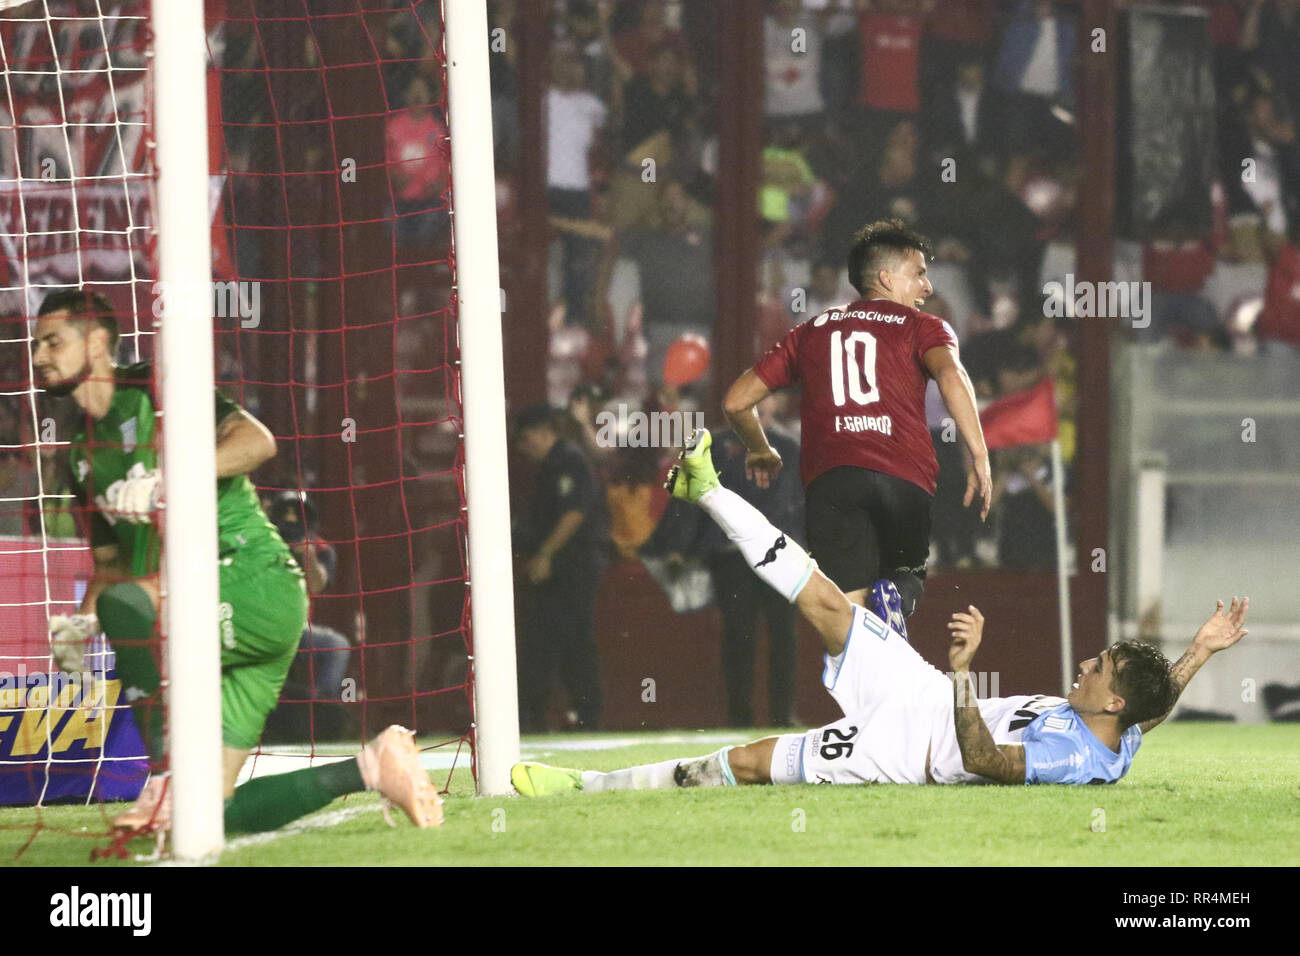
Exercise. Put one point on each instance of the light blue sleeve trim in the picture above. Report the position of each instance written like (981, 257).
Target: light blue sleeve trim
(840, 657)
(794, 595)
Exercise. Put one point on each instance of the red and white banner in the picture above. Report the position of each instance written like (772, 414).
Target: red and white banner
(76, 179)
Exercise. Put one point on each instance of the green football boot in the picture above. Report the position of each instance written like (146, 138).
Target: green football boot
(693, 475)
(539, 780)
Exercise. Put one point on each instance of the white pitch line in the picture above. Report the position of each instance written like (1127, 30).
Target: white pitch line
(317, 821)
(613, 743)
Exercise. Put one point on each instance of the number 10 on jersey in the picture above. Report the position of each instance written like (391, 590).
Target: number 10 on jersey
(846, 363)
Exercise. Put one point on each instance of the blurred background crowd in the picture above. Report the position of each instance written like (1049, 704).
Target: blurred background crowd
(960, 117)
(957, 116)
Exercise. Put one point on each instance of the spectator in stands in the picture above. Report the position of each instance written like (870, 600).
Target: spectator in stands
(893, 189)
(661, 121)
(1177, 271)
(563, 535)
(504, 81)
(1270, 36)
(784, 198)
(792, 59)
(890, 34)
(956, 32)
(676, 294)
(964, 123)
(659, 99)
(575, 116)
(1024, 509)
(419, 158)
(1278, 326)
(586, 27)
(635, 46)
(1266, 189)
(1035, 71)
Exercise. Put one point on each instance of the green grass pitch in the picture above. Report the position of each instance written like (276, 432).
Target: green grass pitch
(1198, 794)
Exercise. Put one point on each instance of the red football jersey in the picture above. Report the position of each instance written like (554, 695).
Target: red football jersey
(891, 51)
(863, 388)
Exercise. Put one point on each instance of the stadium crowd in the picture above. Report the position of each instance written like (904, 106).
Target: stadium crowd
(866, 104)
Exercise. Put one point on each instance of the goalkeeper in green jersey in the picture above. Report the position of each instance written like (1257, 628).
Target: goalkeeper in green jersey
(263, 607)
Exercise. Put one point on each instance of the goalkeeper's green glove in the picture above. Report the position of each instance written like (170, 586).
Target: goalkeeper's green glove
(68, 637)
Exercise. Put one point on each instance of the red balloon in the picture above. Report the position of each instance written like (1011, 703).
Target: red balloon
(687, 360)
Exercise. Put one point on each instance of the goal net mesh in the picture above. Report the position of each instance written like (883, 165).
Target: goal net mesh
(335, 325)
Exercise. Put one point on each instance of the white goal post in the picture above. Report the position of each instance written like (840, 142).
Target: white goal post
(189, 460)
(189, 464)
(487, 492)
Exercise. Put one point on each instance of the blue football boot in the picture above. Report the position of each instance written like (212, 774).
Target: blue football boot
(888, 605)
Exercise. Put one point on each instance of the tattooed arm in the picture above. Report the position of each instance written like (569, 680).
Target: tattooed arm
(1221, 631)
(1004, 763)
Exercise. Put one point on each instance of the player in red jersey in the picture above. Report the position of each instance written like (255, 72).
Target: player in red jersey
(868, 463)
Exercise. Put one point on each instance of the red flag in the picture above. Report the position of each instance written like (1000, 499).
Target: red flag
(1024, 418)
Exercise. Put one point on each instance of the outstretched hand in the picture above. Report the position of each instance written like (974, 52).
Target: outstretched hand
(1224, 628)
(966, 630)
(763, 466)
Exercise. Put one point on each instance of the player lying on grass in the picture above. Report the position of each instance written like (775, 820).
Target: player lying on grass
(905, 722)
(263, 599)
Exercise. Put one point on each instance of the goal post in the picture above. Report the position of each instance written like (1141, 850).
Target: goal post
(189, 471)
(474, 225)
(307, 264)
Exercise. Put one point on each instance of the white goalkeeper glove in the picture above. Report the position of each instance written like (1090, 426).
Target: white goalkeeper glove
(134, 498)
(68, 637)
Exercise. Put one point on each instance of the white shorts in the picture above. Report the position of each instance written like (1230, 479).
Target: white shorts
(893, 701)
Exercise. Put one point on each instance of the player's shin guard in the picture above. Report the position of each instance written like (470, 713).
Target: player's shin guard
(775, 558)
(127, 616)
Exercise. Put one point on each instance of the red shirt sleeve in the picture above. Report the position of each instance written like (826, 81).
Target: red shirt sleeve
(933, 332)
(779, 366)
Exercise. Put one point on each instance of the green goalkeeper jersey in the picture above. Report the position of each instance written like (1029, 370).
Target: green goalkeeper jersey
(125, 437)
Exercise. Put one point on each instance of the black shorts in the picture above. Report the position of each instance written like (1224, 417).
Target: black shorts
(865, 525)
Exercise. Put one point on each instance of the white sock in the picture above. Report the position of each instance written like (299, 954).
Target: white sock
(712, 770)
(651, 776)
(775, 558)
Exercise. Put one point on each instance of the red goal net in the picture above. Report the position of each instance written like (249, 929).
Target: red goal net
(335, 325)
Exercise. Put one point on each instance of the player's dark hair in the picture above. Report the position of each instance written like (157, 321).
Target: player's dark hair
(86, 309)
(1143, 679)
(876, 244)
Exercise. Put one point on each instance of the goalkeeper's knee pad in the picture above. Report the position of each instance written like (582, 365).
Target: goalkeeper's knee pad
(126, 612)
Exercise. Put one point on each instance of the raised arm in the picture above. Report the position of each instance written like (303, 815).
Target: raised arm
(243, 443)
(1004, 763)
(959, 397)
(762, 464)
(1221, 631)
